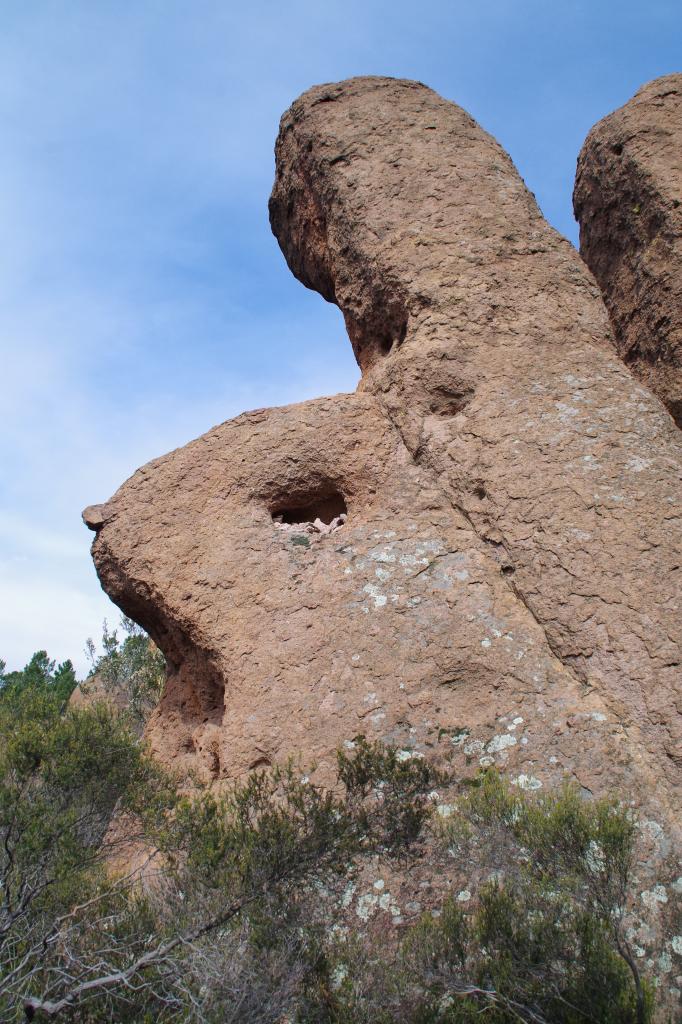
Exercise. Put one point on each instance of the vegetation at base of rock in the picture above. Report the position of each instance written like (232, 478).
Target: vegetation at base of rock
(544, 939)
(132, 670)
(238, 916)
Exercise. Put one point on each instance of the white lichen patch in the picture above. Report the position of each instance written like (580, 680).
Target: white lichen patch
(348, 894)
(500, 743)
(595, 857)
(444, 810)
(373, 590)
(527, 782)
(408, 561)
(430, 547)
(473, 747)
(653, 897)
(676, 943)
(463, 896)
(486, 642)
(386, 554)
(408, 755)
(338, 976)
(367, 905)
(652, 829)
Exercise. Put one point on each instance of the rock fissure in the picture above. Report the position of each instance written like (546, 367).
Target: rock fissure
(507, 570)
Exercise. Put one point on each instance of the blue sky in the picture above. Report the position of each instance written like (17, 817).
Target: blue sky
(142, 296)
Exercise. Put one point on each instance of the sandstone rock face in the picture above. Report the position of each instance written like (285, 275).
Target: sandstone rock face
(494, 364)
(495, 571)
(628, 200)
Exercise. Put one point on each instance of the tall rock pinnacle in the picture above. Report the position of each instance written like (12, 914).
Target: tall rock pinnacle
(628, 200)
(482, 335)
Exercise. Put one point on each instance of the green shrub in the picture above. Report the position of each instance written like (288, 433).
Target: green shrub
(237, 917)
(132, 670)
(543, 939)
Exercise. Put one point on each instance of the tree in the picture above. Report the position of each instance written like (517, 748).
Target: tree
(40, 673)
(132, 670)
(229, 908)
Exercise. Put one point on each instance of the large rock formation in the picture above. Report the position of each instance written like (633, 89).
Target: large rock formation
(628, 200)
(495, 566)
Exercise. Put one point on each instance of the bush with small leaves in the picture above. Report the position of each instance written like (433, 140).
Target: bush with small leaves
(132, 671)
(234, 879)
(543, 941)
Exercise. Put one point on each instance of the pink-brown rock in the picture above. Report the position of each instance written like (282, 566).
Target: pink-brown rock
(484, 339)
(628, 200)
(505, 587)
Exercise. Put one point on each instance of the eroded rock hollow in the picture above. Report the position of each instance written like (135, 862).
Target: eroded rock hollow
(628, 200)
(477, 552)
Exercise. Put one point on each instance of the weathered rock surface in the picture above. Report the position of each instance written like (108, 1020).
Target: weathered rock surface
(628, 200)
(397, 624)
(493, 361)
(505, 587)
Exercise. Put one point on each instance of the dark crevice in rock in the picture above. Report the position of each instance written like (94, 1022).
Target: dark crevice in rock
(324, 506)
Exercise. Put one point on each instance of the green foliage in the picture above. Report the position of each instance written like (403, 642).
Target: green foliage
(400, 783)
(132, 670)
(233, 918)
(62, 776)
(40, 674)
(542, 941)
(239, 870)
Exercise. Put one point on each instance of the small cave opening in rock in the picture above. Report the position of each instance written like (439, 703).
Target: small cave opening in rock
(323, 513)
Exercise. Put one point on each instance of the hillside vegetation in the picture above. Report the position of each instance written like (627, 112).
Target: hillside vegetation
(233, 909)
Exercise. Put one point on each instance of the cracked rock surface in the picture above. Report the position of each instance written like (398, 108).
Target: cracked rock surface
(482, 548)
(628, 200)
